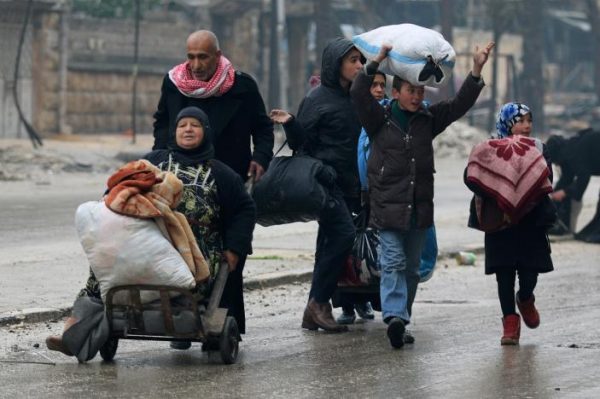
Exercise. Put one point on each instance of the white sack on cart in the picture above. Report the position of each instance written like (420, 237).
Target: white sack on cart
(124, 250)
(415, 50)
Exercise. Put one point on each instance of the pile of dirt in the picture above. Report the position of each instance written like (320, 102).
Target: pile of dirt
(457, 140)
(20, 161)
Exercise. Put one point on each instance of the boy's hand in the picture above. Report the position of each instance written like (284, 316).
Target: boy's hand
(385, 49)
(480, 57)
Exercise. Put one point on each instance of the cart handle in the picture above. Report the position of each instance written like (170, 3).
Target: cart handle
(218, 287)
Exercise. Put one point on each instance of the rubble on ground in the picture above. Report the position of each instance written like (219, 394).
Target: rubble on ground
(457, 140)
(20, 161)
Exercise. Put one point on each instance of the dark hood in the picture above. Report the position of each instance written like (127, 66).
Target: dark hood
(331, 62)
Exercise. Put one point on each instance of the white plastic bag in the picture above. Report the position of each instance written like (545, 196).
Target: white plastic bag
(125, 250)
(411, 47)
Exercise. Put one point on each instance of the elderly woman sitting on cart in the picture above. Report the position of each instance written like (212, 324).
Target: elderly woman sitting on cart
(216, 205)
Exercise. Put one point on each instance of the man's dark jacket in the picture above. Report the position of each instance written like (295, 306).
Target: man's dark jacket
(579, 159)
(400, 168)
(327, 127)
(234, 117)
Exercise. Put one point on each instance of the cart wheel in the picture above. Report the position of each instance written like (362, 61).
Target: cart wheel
(108, 350)
(229, 342)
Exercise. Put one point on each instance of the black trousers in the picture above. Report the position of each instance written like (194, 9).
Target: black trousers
(334, 243)
(506, 288)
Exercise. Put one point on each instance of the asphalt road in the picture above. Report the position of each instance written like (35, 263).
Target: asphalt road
(457, 353)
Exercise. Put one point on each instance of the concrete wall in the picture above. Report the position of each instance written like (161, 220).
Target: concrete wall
(98, 92)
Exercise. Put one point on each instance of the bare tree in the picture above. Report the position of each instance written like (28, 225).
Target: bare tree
(447, 23)
(594, 21)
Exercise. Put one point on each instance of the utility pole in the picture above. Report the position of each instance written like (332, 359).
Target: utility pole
(134, 73)
(326, 23)
(274, 80)
(283, 70)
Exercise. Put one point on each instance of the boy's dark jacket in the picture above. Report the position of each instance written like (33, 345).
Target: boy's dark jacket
(401, 167)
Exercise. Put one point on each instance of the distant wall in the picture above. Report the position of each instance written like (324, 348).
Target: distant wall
(100, 102)
(99, 84)
(100, 54)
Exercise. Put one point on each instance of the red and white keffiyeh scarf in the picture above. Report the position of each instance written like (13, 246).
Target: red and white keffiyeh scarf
(219, 84)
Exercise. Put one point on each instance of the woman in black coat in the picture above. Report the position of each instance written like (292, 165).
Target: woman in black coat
(217, 207)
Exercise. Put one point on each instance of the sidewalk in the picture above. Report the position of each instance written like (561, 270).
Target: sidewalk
(38, 281)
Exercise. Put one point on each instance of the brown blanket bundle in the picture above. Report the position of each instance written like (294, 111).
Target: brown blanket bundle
(139, 189)
(512, 171)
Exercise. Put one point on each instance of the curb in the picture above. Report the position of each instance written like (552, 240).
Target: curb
(40, 315)
(276, 279)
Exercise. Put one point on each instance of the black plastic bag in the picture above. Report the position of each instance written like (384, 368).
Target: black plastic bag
(361, 268)
(294, 189)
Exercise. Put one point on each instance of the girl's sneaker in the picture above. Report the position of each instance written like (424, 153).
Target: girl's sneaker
(365, 310)
(347, 317)
(531, 317)
(512, 329)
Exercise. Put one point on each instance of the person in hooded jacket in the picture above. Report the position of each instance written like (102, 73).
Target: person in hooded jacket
(327, 128)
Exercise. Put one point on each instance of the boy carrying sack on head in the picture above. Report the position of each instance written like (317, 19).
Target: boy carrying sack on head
(400, 172)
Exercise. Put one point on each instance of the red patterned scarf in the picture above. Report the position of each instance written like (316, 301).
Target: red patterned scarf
(512, 171)
(219, 84)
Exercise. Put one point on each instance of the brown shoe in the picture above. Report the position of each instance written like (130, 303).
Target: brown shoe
(318, 315)
(55, 343)
(308, 322)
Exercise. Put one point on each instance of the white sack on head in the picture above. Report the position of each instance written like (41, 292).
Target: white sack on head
(419, 55)
(125, 250)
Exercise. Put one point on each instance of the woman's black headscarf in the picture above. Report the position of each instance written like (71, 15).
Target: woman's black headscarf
(183, 156)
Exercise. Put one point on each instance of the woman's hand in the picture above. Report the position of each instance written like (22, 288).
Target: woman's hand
(480, 57)
(231, 258)
(280, 116)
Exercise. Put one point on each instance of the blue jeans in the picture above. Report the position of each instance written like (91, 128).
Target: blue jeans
(399, 262)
